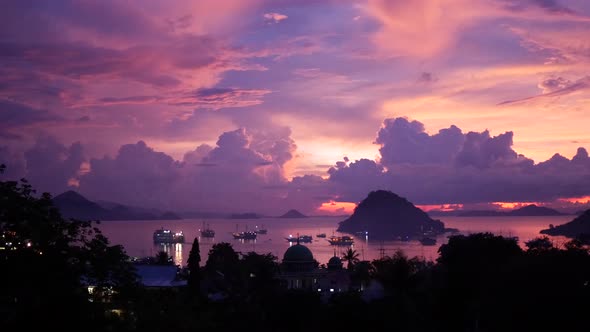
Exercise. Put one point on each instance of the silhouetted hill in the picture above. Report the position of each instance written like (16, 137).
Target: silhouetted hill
(533, 210)
(579, 227)
(73, 205)
(293, 214)
(386, 215)
(247, 215)
(526, 211)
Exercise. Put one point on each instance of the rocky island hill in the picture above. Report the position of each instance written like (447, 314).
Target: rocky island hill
(293, 214)
(579, 227)
(385, 216)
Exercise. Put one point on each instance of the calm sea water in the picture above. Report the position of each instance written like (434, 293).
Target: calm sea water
(136, 235)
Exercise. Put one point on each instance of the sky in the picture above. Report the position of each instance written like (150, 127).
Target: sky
(264, 106)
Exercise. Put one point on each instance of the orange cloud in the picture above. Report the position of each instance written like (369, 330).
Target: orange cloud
(333, 207)
(420, 28)
(514, 205)
(576, 200)
(440, 207)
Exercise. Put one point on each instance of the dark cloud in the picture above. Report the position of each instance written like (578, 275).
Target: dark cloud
(15, 115)
(555, 90)
(426, 77)
(51, 166)
(552, 84)
(550, 6)
(14, 162)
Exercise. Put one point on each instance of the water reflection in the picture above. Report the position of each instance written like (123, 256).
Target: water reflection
(137, 237)
(174, 250)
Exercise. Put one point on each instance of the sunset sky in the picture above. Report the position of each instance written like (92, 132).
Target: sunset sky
(260, 105)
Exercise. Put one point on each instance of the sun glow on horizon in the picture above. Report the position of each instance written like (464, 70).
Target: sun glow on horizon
(333, 207)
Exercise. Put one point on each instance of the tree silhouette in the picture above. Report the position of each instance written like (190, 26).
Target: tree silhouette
(539, 244)
(351, 256)
(162, 258)
(193, 264)
(53, 260)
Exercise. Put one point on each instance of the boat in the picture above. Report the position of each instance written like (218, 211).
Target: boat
(261, 230)
(428, 241)
(344, 240)
(207, 232)
(301, 238)
(321, 235)
(167, 236)
(245, 235)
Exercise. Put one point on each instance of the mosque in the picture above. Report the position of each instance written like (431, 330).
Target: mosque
(299, 270)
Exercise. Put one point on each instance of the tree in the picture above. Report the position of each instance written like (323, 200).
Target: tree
(222, 258)
(352, 257)
(53, 260)
(194, 268)
(539, 244)
(162, 258)
(394, 272)
(259, 270)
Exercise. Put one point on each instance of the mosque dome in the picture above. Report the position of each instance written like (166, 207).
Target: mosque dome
(334, 263)
(298, 253)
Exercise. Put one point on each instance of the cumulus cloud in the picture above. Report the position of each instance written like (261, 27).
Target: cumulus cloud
(244, 169)
(451, 167)
(404, 141)
(51, 166)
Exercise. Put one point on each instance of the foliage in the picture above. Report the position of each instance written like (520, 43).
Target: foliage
(48, 260)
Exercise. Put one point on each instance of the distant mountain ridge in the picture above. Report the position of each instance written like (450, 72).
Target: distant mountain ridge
(531, 210)
(293, 214)
(73, 205)
(385, 215)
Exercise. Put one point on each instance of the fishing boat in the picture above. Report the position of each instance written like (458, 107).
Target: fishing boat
(321, 235)
(245, 235)
(344, 240)
(301, 238)
(167, 236)
(207, 232)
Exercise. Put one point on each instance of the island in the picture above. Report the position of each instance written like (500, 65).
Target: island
(531, 210)
(385, 216)
(293, 214)
(73, 205)
(578, 228)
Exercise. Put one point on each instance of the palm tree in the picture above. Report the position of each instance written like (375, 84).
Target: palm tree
(352, 257)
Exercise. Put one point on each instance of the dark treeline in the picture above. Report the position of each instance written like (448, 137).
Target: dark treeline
(479, 282)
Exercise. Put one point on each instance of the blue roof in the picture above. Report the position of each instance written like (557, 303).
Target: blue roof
(158, 275)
